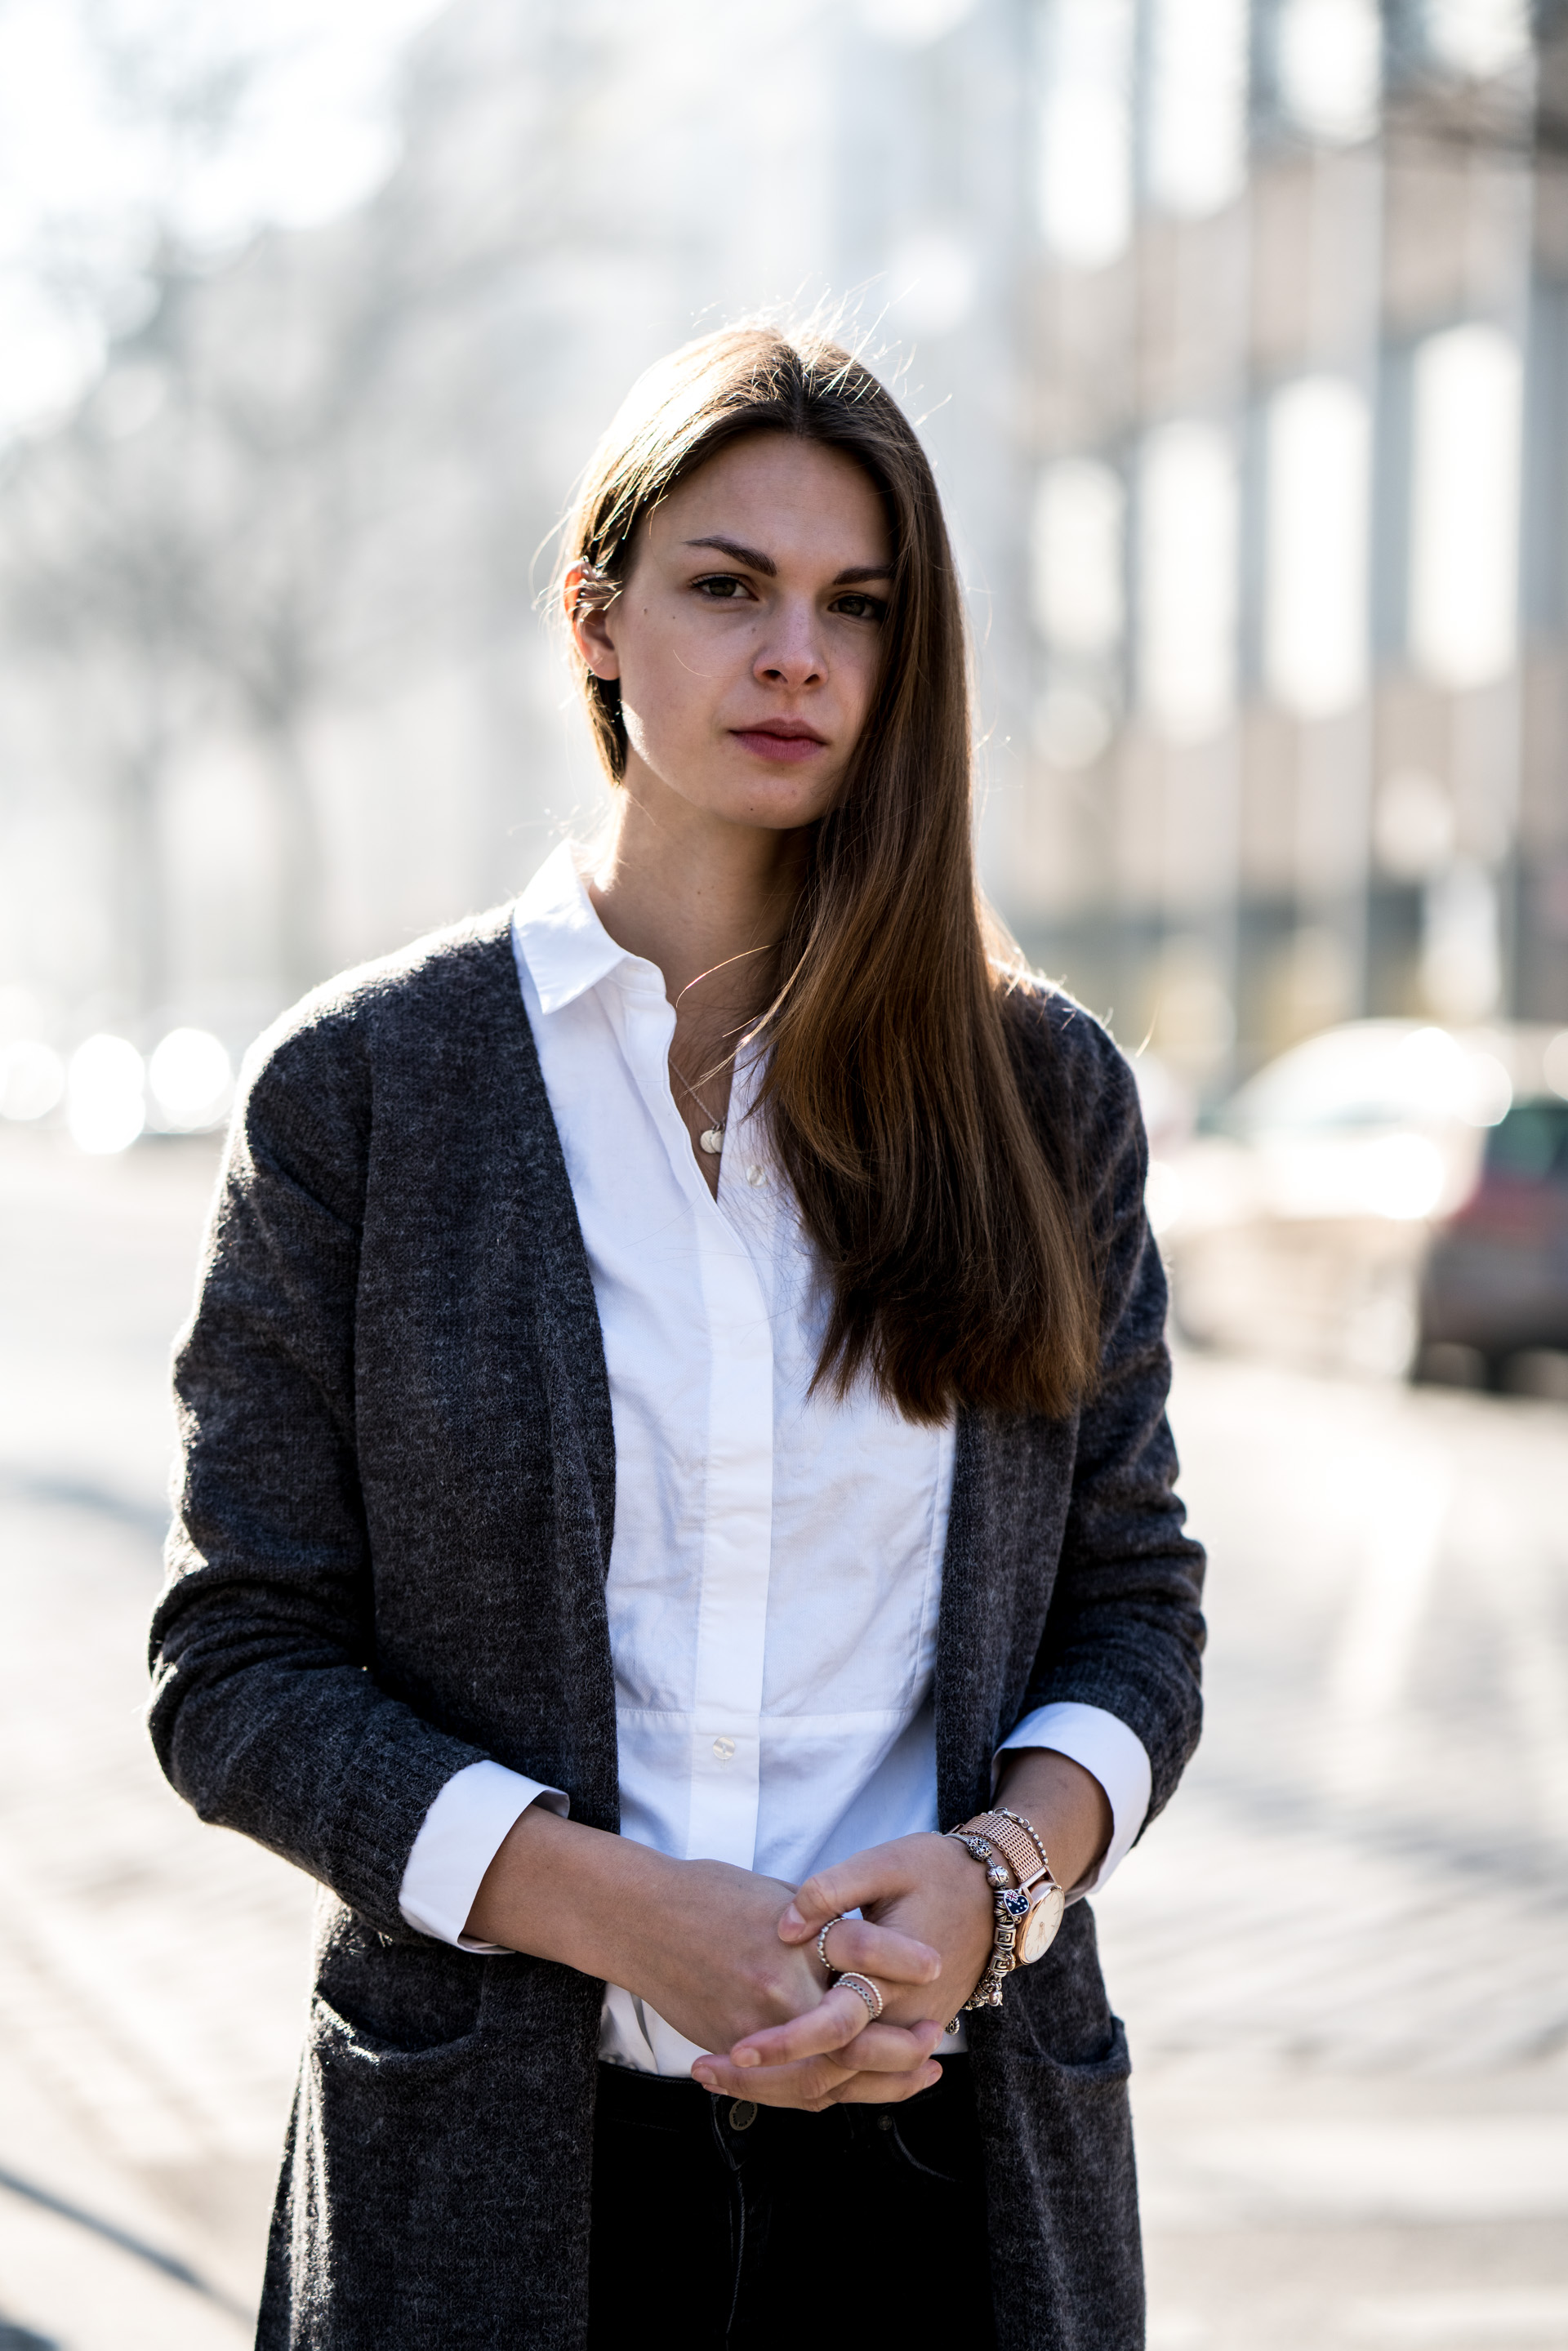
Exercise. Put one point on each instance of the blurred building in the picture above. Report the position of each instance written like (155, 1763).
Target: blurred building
(1293, 325)
(1240, 336)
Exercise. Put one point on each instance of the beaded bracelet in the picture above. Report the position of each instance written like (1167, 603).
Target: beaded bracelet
(1009, 1909)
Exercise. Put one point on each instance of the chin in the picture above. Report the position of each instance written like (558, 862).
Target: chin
(737, 788)
(779, 811)
(780, 798)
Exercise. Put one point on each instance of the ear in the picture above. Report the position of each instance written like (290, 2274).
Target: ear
(588, 617)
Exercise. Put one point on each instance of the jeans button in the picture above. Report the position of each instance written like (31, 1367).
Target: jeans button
(742, 2114)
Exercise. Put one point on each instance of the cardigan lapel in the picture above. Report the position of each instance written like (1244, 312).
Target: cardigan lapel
(540, 1188)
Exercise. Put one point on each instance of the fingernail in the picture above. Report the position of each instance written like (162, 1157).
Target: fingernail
(748, 2057)
(791, 1917)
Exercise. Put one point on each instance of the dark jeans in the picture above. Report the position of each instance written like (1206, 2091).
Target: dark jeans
(720, 2223)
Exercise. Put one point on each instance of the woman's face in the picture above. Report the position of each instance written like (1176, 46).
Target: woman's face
(747, 636)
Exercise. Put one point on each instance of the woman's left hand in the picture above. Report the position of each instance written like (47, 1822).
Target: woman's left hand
(927, 1886)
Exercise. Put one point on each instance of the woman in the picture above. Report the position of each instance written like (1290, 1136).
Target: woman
(673, 1418)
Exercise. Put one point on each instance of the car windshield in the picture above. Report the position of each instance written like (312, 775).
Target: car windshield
(1370, 1074)
(1531, 1145)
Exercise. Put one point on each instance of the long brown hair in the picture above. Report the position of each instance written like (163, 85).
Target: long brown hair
(958, 1255)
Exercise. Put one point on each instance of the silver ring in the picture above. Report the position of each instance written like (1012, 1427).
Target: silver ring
(864, 1988)
(823, 1941)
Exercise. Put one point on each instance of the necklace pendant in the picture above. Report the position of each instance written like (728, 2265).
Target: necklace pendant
(712, 1140)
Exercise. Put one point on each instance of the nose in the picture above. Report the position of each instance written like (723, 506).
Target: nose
(791, 653)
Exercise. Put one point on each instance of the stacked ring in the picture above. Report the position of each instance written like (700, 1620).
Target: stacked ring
(822, 1943)
(864, 1989)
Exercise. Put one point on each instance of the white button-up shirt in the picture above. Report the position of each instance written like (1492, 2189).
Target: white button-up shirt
(775, 1570)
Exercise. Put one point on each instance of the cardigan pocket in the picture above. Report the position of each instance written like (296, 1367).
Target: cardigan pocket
(1107, 2069)
(338, 2043)
(392, 2202)
(375, 2002)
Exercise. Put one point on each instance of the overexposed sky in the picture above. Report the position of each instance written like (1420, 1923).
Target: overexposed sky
(207, 116)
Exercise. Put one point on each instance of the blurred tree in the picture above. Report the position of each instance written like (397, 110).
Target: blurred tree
(178, 545)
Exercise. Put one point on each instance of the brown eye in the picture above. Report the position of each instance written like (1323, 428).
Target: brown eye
(721, 588)
(861, 608)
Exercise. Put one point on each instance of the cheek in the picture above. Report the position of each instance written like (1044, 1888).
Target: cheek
(858, 678)
(668, 684)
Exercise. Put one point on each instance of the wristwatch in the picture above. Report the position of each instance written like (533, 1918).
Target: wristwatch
(1027, 1903)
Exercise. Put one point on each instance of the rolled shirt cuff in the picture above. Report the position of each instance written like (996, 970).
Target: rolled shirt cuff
(460, 1836)
(1104, 1746)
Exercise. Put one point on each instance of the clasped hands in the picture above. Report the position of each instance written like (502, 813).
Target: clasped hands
(923, 1938)
(728, 1958)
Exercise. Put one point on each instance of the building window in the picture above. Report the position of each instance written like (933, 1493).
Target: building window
(1315, 631)
(1464, 549)
(1186, 579)
(1478, 37)
(1077, 556)
(1197, 155)
(1085, 131)
(1328, 61)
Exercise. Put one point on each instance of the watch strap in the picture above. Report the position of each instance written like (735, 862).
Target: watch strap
(1013, 1841)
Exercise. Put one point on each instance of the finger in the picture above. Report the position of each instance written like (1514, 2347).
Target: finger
(890, 2048)
(886, 2089)
(873, 1950)
(838, 2017)
(864, 1877)
(883, 2047)
(819, 2082)
(815, 2084)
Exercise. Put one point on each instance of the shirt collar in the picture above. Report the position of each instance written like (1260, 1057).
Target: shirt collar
(560, 938)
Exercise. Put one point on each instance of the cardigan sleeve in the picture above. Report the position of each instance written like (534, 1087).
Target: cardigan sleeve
(1124, 1630)
(265, 1713)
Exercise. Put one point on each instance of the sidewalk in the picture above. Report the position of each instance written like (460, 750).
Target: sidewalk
(1343, 1958)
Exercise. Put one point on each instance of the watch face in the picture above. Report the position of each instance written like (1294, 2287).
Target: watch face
(1039, 1930)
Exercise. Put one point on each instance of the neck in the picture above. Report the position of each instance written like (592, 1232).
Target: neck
(698, 895)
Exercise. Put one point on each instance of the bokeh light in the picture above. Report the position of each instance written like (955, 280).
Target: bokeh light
(32, 1080)
(190, 1079)
(105, 1107)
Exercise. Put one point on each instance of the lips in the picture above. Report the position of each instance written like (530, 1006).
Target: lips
(785, 739)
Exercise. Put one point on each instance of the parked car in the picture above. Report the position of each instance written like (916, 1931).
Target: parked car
(1495, 1277)
(1299, 1221)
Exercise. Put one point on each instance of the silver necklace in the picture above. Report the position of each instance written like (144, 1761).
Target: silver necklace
(711, 1139)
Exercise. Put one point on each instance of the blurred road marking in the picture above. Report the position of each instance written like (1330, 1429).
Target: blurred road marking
(1469, 2167)
(170, 2265)
(1403, 1537)
(75, 2290)
(1536, 1676)
(1169, 2330)
(1489, 2318)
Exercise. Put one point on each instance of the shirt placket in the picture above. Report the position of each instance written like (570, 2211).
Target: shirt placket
(725, 1740)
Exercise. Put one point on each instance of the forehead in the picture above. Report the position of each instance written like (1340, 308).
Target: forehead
(780, 495)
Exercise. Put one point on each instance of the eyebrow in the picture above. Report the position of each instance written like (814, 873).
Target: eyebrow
(755, 561)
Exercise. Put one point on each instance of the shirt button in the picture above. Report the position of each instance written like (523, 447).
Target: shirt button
(723, 1748)
(757, 1176)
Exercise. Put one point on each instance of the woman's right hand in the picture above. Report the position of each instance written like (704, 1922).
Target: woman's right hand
(699, 1941)
(701, 1960)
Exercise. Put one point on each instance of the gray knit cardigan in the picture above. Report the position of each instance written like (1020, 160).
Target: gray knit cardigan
(389, 1561)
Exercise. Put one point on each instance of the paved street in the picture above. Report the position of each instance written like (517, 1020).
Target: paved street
(1342, 1959)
